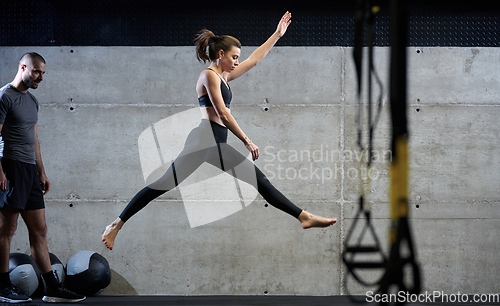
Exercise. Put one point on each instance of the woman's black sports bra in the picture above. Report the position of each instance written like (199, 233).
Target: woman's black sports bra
(227, 95)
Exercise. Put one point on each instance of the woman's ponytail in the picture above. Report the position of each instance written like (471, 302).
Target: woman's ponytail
(202, 41)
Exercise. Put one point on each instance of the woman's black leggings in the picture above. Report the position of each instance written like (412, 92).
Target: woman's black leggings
(202, 146)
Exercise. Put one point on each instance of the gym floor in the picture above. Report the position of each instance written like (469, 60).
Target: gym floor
(228, 300)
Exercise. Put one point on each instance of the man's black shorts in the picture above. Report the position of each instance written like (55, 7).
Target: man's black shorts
(24, 191)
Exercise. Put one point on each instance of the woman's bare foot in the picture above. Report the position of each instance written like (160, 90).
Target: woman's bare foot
(309, 220)
(109, 235)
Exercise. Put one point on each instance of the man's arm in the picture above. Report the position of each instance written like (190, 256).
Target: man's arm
(44, 181)
(3, 179)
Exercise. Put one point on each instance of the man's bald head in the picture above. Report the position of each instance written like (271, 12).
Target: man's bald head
(30, 57)
(31, 70)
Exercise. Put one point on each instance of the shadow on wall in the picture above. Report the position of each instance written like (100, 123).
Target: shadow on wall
(119, 286)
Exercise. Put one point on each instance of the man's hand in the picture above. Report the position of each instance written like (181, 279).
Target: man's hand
(44, 183)
(3, 181)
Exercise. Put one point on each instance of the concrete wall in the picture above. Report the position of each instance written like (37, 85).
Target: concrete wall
(95, 102)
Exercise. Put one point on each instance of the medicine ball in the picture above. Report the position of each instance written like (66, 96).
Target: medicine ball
(24, 272)
(87, 273)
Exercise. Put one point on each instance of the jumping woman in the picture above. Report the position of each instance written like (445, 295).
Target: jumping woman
(208, 142)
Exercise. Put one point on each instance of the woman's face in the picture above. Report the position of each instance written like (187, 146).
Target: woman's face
(230, 59)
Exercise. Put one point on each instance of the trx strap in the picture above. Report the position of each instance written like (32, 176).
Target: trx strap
(395, 277)
(394, 267)
(356, 248)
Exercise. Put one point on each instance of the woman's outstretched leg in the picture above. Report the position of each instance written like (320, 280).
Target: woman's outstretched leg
(274, 197)
(197, 144)
(138, 202)
(231, 159)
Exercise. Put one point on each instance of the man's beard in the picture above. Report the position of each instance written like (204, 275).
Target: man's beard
(29, 83)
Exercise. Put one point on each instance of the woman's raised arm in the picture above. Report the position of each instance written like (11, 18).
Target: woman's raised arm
(261, 51)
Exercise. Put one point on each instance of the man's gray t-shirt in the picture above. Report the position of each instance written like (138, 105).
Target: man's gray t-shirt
(18, 115)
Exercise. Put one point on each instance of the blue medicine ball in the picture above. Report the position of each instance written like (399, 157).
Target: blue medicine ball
(24, 272)
(87, 273)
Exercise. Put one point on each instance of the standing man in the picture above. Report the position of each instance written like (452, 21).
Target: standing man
(23, 181)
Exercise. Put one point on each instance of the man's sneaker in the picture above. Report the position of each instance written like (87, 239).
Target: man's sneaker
(61, 295)
(13, 294)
